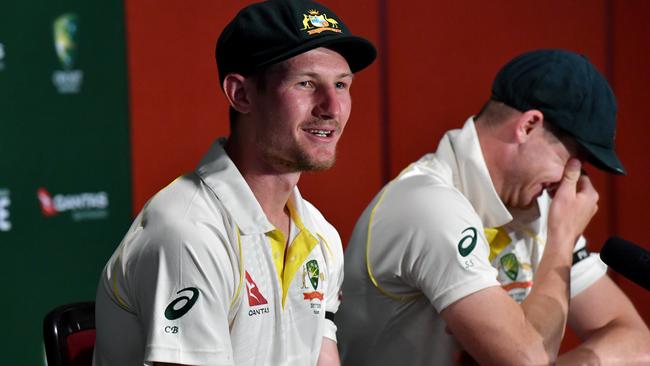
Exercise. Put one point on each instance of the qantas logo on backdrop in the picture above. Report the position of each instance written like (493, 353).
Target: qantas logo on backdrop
(83, 206)
(255, 297)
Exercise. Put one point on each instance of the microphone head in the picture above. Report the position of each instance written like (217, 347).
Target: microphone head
(628, 259)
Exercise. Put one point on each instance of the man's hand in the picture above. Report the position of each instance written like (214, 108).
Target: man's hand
(574, 204)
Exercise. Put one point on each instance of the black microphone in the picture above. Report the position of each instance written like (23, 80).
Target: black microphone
(628, 259)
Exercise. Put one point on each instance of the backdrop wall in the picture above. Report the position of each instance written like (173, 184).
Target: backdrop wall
(65, 198)
(437, 60)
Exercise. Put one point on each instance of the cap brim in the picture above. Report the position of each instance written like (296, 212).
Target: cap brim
(603, 158)
(357, 51)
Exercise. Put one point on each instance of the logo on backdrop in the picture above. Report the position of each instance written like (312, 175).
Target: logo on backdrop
(82, 206)
(66, 34)
(2, 56)
(5, 201)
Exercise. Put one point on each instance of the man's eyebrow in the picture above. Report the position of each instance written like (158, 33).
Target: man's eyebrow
(317, 75)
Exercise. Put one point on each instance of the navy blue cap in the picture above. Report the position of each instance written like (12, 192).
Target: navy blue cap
(272, 31)
(572, 95)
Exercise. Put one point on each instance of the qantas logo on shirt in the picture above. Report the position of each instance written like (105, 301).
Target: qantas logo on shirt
(255, 297)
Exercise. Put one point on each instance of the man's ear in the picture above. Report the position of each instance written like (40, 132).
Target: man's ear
(235, 88)
(527, 123)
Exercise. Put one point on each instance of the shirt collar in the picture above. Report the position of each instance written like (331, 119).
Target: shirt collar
(299, 215)
(461, 150)
(219, 172)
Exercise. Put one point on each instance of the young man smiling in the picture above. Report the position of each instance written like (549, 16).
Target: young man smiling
(229, 265)
(475, 252)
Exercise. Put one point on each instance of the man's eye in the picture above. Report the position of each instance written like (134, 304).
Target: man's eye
(306, 84)
(341, 85)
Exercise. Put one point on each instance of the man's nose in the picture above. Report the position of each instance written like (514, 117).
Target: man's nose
(328, 105)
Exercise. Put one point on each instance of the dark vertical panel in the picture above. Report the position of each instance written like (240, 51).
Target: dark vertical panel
(384, 47)
(611, 183)
(631, 57)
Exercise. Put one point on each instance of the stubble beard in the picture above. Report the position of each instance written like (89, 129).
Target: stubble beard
(295, 159)
(299, 161)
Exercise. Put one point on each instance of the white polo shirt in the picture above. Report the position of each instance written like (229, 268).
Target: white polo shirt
(427, 240)
(199, 278)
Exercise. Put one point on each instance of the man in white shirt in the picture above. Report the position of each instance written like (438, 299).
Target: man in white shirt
(475, 252)
(229, 265)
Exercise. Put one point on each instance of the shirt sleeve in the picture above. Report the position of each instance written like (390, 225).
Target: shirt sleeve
(334, 254)
(587, 267)
(429, 238)
(185, 280)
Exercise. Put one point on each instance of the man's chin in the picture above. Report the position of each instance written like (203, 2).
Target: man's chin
(309, 165)
(317, 166)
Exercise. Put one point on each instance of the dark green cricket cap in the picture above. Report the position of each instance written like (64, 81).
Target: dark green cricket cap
(272, 31)
(572, 95)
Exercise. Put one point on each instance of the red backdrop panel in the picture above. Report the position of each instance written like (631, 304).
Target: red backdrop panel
(443, 57)
(440, 59)
(177, 108)
(442, 65)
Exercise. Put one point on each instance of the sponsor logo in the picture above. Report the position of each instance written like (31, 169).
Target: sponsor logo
(5, 202)
(2, 56)
(66, 29)
(510, 265)
(468, 242)
(82, 206)
(255, 297)
(181, 305)
(314, 22)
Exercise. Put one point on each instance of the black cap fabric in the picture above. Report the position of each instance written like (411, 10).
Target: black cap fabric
(266, 33)
(571, 94)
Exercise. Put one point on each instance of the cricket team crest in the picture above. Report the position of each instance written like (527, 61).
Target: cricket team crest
(311, 271)
(516, 277)
(510, 265)
(314, 22)
(65, 29)
(65, 39)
